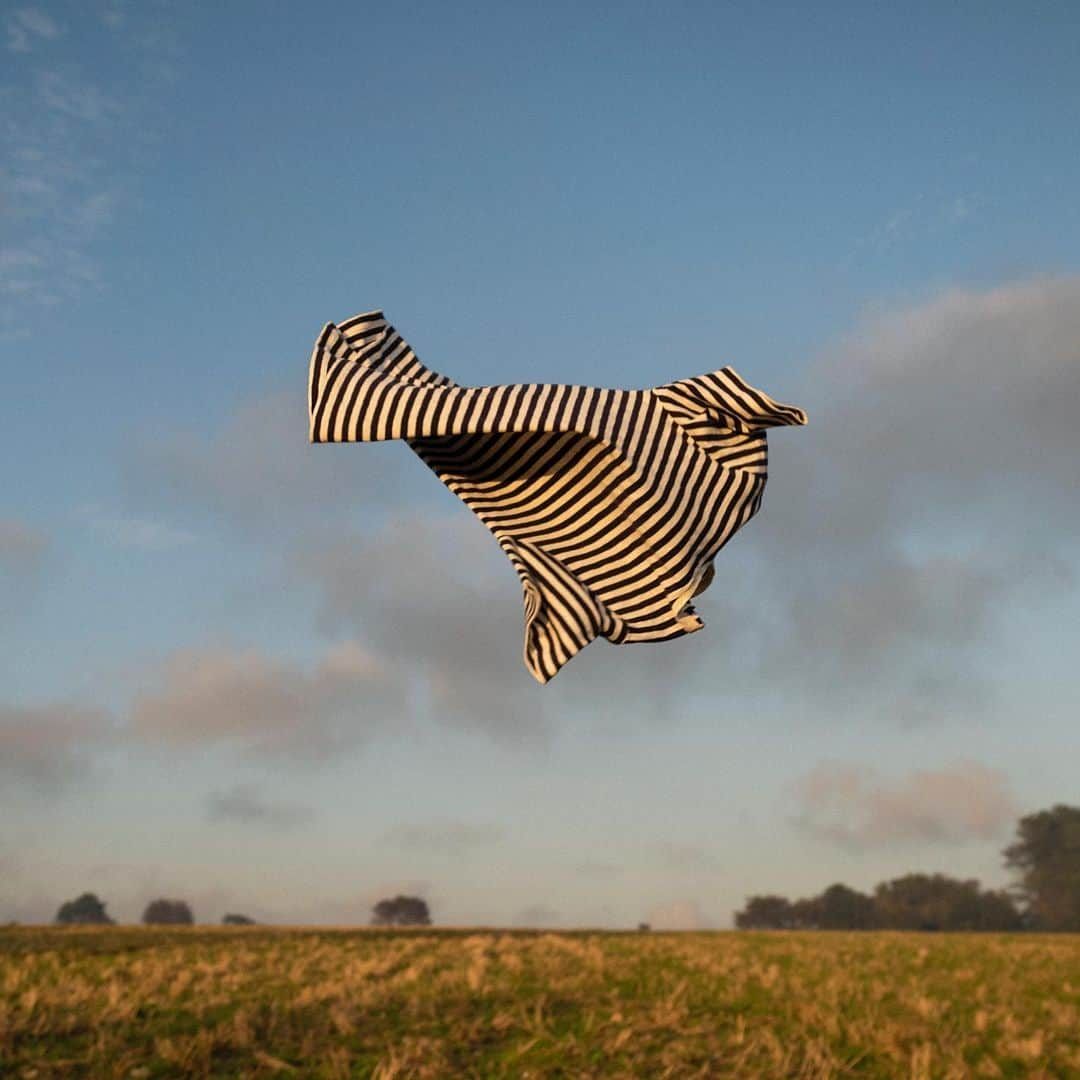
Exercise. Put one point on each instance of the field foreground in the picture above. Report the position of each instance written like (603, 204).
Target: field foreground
(317, 1002)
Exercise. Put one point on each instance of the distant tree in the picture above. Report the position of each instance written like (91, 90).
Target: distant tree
(168, 913)
(85, 909)
(401, 911)
(805, 914)
(998, 911)
(643, 927)
(237, 920)
(911, 902)
(914, 902)
(1046, 856)
(768, 912)
(940, 902)
(843, 908)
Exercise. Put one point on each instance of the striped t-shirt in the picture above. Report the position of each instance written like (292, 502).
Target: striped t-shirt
(610, 504)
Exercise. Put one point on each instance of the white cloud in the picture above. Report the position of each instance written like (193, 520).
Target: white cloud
(434, 594)
(857, 808)
(46, 749)
(921, 218)
(923, 501)
(22, 547)
(678, 915)
(70, 149)
(267, 708)
(28, 26)
(77, 100)
(246, 805)
(258, 473)
(454, 838)
(129, 530)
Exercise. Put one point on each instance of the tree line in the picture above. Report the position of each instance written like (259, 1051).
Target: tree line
(911, 902)
(1045, 857)
(1045, 896)
(89, 910)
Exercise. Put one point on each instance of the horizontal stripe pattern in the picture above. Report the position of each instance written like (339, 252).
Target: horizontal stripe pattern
(610, 504)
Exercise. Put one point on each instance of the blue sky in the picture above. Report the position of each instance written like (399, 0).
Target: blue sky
(286, 679)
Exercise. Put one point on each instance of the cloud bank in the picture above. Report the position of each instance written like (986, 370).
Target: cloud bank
(245, 805)
(929, 496)
(255, 477)
(45, 750)
(22, 547)
(433, 593)
(452, 838)
(267, 709)
(858, 809)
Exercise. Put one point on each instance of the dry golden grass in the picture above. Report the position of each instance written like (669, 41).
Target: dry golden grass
(317, 1002)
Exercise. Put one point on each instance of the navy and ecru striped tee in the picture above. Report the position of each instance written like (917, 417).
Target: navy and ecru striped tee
(610, 504)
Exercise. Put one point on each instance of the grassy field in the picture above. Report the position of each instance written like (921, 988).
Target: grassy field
(316, 1002)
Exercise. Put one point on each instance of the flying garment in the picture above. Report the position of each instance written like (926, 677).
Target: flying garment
(610, 504)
